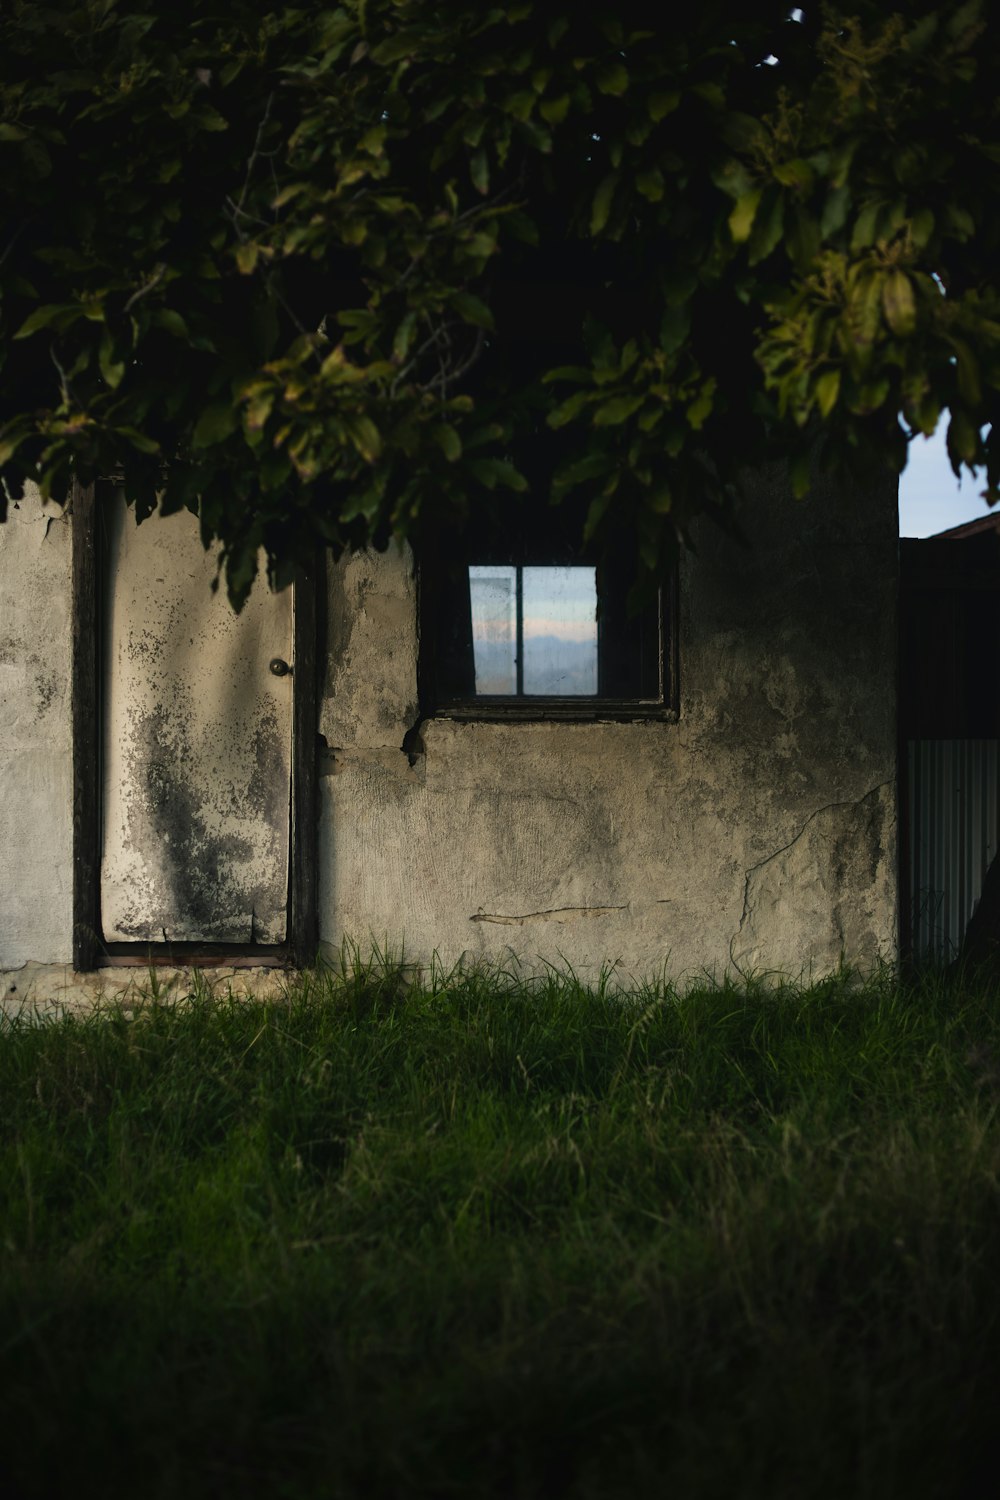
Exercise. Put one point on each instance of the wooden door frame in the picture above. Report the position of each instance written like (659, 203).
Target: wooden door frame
(90, 951)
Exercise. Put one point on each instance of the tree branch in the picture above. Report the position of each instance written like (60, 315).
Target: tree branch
(255, 153)
(144, 291)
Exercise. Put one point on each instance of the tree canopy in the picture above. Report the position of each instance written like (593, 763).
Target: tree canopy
(337, 274)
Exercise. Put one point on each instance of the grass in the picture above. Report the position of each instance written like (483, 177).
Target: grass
(503, 1238)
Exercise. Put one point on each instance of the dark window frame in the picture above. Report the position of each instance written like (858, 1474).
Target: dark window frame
(436, 558)
(90, 950)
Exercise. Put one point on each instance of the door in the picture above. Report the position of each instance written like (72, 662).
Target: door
(194, 736)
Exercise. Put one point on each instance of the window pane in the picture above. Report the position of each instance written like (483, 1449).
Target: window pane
(560, 630)
(493, 597)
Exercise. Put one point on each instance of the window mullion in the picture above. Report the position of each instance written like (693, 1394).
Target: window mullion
(519, 606)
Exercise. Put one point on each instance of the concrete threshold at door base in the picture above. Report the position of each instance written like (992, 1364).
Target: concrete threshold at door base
(49, 991)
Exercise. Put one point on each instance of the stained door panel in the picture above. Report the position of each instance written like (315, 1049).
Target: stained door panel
(197, 745)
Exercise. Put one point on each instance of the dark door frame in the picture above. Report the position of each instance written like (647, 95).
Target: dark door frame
(90, 951)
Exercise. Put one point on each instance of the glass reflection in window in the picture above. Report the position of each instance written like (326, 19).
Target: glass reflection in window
(493, 597)
(534, 630)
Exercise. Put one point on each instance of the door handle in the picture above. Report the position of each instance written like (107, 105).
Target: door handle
(279, 667)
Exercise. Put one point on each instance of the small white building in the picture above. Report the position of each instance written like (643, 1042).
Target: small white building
(478, 755)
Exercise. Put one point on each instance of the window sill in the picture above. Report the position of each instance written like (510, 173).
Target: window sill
(555, 711)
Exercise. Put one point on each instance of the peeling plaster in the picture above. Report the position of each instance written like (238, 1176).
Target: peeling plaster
(839, 851)
(197, 749)
(767, 809)
(787, 709)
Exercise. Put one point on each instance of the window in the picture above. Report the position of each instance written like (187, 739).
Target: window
(534, 630)
(524, 625)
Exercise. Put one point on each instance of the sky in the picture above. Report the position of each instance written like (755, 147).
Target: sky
(930, 497)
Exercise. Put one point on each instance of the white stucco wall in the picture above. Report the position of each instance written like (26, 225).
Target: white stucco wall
(36, 765)
(756, 833)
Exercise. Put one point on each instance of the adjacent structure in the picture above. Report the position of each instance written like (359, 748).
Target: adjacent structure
(949, 713)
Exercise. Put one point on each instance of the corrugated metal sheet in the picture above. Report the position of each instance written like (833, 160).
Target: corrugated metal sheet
(953, 837)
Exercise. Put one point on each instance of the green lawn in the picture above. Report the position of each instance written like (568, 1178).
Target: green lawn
(504, 1238)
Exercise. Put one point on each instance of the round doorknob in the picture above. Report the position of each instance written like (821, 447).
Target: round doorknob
(279, 667)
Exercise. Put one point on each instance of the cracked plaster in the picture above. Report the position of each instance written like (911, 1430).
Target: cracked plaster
(756, 832)
(504, 840)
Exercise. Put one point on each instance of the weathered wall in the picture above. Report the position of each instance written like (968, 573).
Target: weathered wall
(36, 768)
(757, 832)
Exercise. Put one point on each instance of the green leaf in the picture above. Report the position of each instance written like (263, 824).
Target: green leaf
(404, 336)
(287, 193)
(403, 44)
(591, 466)
(921, 228)
(870, 396)
(373, 140)
(568, 372)
(210, 119)
(595, 514)
(554, 111)
(827, 391)
(898, 303)
(338, 368)
(171, 322)
(10, 444)
(259, 405)
(733, 178)
(662, 104)
(743, 214)
(650, 184)
(493, 471)
(802, 237)
(246, 257)
(472, 309)
(919, 38)
(10, 132)
(601, 207)
(768, 224)
(617, 410)
(863, 306)
(675, 325)
(799, 472)
(447, 440)
(962, 439)
(473, 132)
(795, 174)
(44, 317)
(365, 436)
(214, 425)
(612, 78)
(569, 409)
(111, 369)
(479, 170)
(835, 211)
(700, 409)
(965, 18)
(864, 226)
(960, 222)
(139, 440)
(520, 104)
(967, 368)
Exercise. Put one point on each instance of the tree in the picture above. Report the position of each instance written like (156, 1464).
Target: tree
(338, 274)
